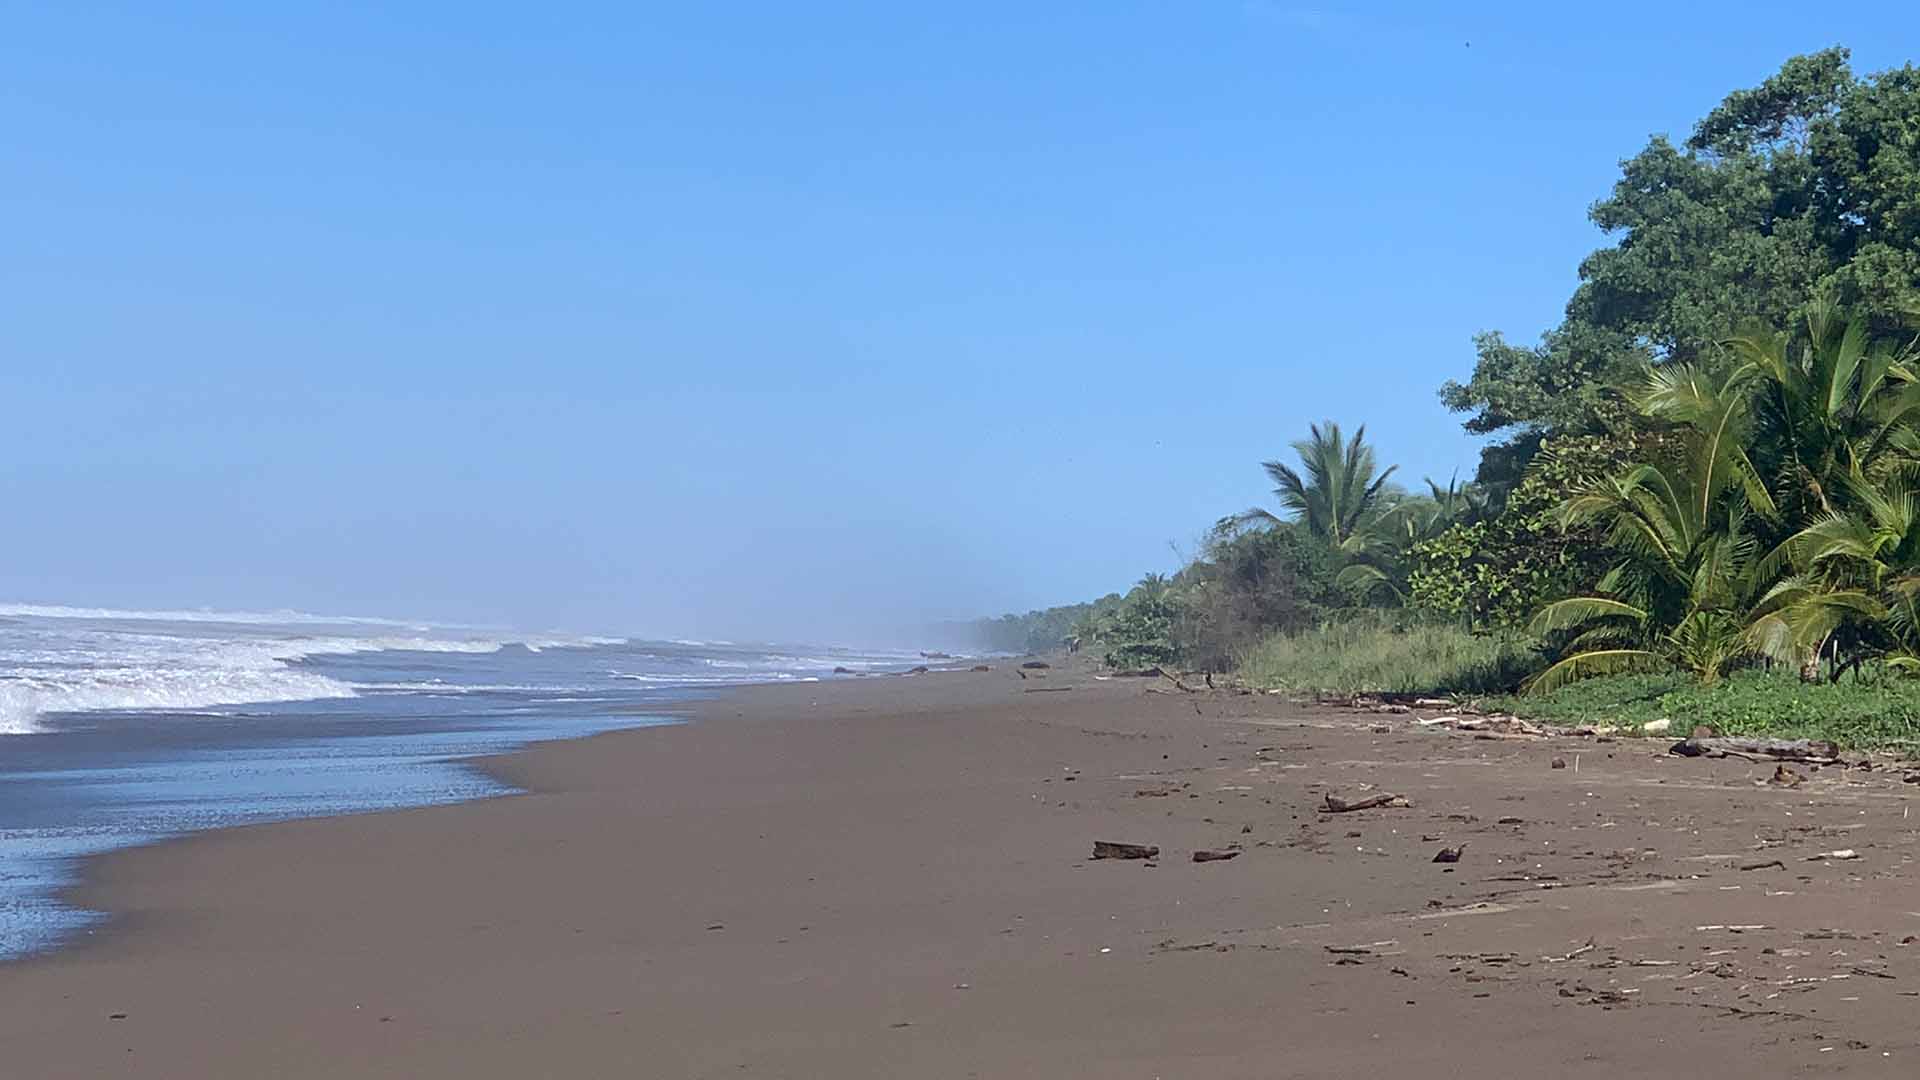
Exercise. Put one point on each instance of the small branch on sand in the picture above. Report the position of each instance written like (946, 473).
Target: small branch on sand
(1573, 955)
(1175, 680)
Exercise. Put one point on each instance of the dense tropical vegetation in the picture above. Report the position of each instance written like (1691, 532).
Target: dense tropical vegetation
(1702, 488)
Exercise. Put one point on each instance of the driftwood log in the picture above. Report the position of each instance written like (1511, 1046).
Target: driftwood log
(1104, 850)
(1215, 856)
(1338, 805)
(1812, 751)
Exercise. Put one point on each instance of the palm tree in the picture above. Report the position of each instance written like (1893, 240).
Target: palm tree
(1691, 587)
(1857, 586)
(1704, 613)
(1829, 402)
(1337, 493)
(1832, 415)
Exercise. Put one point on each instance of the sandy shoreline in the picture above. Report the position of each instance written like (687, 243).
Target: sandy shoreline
(888, 877)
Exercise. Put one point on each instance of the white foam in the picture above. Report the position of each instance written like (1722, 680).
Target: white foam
(448, 688)
(301, 648)
(713, 680)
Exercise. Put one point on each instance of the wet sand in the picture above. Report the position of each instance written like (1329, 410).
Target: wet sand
(889, 877)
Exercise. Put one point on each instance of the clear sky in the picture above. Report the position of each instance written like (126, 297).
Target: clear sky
(771, 318)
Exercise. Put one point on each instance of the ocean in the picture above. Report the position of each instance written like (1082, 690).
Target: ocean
(120, 728)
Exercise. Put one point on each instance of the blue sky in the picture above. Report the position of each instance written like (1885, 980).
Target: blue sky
(770, 318)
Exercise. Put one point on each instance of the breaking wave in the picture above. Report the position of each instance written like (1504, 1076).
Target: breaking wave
(56, 659)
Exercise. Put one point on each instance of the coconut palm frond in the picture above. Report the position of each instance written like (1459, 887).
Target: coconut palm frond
(1587, 664)
(1572, 612)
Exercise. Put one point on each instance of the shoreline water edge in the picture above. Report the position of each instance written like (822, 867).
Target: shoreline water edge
(130, 728)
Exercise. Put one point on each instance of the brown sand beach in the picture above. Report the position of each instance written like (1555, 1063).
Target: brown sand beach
(890, 877)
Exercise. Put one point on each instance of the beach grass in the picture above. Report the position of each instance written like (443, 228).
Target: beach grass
(1388, 656)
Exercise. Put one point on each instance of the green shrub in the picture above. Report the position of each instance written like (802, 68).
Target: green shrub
(1139, 655)
(1249, 585)
(1139, 633)
(1385, 655)
(1498, 571)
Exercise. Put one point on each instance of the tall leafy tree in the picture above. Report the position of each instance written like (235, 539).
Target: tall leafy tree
(1804, 186)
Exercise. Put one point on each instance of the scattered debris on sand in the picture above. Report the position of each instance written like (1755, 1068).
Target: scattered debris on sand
(1498, 724)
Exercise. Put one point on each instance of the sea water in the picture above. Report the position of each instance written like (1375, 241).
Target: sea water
(120, 728)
